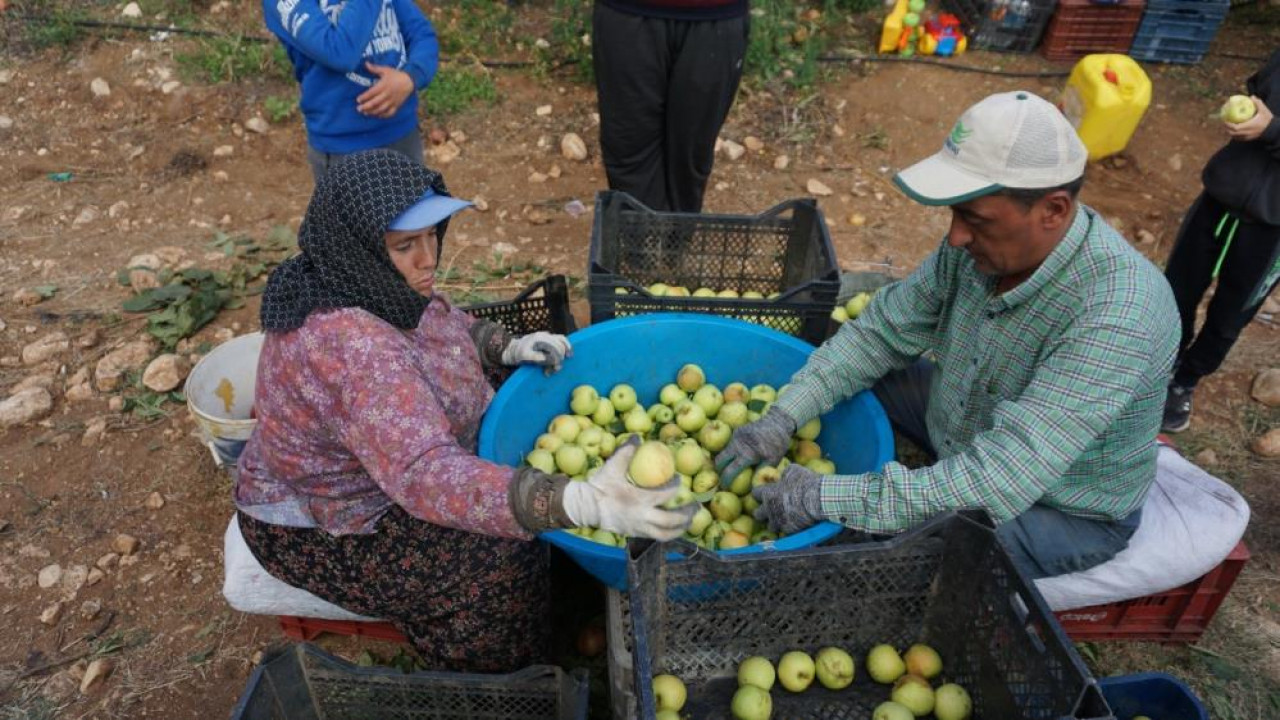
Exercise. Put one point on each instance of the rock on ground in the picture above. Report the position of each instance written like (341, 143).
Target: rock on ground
(113, 365)
(166, 372)
(1266, 387)
(46, 348)
(25, 406)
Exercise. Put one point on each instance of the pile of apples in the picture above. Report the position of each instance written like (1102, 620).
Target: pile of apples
(683, 431)
(910, 674)
(665, 290)
(853, 308)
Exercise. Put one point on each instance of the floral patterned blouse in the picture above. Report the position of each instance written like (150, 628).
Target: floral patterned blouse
(355, 416)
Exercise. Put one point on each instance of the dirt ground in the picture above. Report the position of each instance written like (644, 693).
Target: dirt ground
(147, 173)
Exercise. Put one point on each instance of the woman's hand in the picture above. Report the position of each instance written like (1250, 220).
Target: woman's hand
(1252, 128)
(386, 96)
(541, 348)
(608, 500)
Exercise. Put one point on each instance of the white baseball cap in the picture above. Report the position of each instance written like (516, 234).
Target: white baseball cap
(1008, 140)
(428, 211)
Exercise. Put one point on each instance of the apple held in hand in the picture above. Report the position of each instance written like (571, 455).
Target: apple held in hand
(1238, 109)
(796, 671)
(652, 465)
(810, 430)
(751, 703)
(669, 692)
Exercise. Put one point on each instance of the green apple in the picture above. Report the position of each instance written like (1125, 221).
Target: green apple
(564, 427)
(704, 292)
(805, 451)
(590, 439)
(712, 535)
(751, 703)
(727, 294)
(683, 497)
(752, 295)
(608, 443)
(661, 414)
(669, 692)
(652, 465)
(891, 711)
(726, 506)
(584, 400)
(750, 504)
(623, 397)
(736, 392)
(715, 435)
(690, 378)
(677, 291)
(763, 536)
(604, 537)
(822, 466)
(764, 393)
(884, 665)
(689, 458)
(923, 660)
(733, 540)
(706, 480)
(733, 414)
(796, 671)
(571, 459)
(709, 398)
(809, 430)
(745, 525)
(604, 414)
(548, 442)
(952, 702)
(835, 668)
(583, 422)
(542, 460)
(764, 475)
(670, 394)
(686, 482)
(1238, 109)
(741, 485)
(857, 304)
(637, 421)
(690, 416)
(671, 432)
(667, 715)
(756, 671)
(702, 520)
(658, 289)
(840, 315)
(914, 693)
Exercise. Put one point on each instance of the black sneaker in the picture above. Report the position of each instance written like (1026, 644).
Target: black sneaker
(1177, 409)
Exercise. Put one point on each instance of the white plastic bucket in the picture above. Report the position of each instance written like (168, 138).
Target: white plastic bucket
(220, 396)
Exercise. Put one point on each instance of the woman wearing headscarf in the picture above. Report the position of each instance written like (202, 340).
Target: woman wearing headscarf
(360, 483)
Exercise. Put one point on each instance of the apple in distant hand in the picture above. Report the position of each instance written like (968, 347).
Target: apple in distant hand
(914, 693)
(690, 378)
(571, 459)
(1238, 109)
(715, 435)
(623, 397)
(835, 668)
(751, 703)
(952, 702)
(756, 671)
(669, 692)
(796, 671)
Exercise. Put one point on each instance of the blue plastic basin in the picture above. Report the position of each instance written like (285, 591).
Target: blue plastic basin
(645, 352)
(1157, 695)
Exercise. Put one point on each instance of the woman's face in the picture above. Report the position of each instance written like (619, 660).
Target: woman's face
(413, 252)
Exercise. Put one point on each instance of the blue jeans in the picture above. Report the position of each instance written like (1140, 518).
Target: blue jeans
(1043, 541)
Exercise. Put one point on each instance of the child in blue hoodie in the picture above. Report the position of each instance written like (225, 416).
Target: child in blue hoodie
(360, 64)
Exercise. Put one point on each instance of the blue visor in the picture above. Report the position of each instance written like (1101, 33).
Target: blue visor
(429, 211)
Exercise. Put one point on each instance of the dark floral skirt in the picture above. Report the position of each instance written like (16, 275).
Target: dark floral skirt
(467, 602)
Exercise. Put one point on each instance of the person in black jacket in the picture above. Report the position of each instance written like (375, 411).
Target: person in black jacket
(666, 72)
(1231, 233)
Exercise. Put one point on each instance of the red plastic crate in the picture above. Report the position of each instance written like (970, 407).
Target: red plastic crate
(304, 628)
(1083, 27)
(1179, 615)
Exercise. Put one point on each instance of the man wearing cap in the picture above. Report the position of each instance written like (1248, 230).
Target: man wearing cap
(1049, 343)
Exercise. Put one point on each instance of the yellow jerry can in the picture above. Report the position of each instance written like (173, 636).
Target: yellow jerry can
(1105, 98)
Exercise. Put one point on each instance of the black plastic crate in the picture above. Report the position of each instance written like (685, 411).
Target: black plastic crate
(949, 583)
(785, 250)
(1005, 25)
(1178, 31)
(543, 306)
(306, 683)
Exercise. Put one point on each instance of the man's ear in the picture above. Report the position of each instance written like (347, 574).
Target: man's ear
(1057, 210)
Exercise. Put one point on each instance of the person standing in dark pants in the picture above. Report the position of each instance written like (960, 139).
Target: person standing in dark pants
(666, 73)
(1231, 233)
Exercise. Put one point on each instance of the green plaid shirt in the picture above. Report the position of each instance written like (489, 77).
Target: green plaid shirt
(1051, 393)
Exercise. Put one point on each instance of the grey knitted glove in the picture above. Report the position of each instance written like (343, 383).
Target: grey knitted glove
(763, 441)
(540, 348)
(793, 503)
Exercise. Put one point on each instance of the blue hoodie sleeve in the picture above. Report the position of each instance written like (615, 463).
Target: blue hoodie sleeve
(420, 37)
(337, 45)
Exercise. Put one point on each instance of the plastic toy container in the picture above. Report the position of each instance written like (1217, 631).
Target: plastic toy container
(1005, 25)
(785, 250)
(543, 306)
(304, 683)
(1081, 27)
(948, 583)
(1105, 99)
(1178, 31)
(1156, 695)
(646, 352)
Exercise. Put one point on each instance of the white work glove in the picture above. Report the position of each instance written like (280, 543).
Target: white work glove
(540, 348)
(608, 500)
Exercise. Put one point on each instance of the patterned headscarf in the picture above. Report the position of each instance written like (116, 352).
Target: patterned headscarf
(344, 261)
